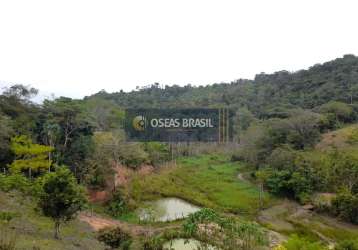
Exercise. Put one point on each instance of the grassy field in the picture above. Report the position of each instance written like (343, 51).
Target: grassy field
(212, 181)
(208, 181)
(33, 231)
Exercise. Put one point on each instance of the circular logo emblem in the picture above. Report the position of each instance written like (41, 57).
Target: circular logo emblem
(139, 123)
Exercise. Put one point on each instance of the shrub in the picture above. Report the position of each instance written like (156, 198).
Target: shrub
(347, 245)
(205, 215)
(156, 242)
(280, 247)
(353, 137)
(297, 243)
(345, 206)
(232, 234)
(133, 155)
(301, 185)
(282, 158)
(237, 157)
(153, 243)
(7, 216)
(278, 183)
(61, 197)
(115, 238)
(321, 203)
(14, 181)
(37, 186)
(337, 112)
(158, 152)
(117, 205)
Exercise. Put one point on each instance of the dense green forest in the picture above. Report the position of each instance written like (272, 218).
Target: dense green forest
(266, 96)
(56, 150)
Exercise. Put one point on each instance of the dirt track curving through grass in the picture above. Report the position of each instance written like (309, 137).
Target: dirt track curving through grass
(98, 222)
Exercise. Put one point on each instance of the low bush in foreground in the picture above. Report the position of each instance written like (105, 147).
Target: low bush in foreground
(297, 243)
(345, 206)
(14, 181)
(115, 238)
(347, 245)
(224, 232)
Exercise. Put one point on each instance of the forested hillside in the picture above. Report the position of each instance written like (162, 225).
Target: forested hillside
(266, 95)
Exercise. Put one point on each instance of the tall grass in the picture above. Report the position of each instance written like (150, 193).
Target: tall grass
(7, 239)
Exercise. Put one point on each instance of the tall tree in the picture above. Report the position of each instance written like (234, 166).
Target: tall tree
(68, 127)
(29, 156)
(5, 134)
(69, 115)
(61, 197)
(15, 103)
(105, 113)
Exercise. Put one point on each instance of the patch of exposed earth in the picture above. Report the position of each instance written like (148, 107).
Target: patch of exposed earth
(98, 222)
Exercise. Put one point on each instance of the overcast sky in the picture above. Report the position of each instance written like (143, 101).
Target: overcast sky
(76, 48)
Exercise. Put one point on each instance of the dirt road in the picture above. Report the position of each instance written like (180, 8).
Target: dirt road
(98, 222)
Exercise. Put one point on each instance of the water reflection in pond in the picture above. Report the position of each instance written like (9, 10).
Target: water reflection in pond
(167, 209)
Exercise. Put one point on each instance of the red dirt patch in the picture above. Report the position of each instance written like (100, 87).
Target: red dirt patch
(338, 138)
(98, 196)
(98, 223)
(123, 174)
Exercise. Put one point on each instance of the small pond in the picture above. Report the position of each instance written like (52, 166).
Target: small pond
(186, 244)
(167, 209)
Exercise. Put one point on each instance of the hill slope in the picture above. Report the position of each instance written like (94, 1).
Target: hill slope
(334, 80)
(32, 231)
(341, 139)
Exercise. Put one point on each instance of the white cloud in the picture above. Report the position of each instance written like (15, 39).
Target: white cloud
(79, 47)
